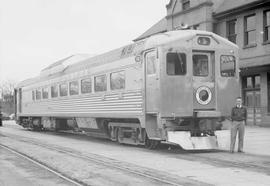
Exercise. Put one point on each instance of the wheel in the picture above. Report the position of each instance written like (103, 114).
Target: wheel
(151, 144)
(113, 133)
(106, 129)
(119, 135)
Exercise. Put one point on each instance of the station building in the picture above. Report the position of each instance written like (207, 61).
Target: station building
(244, 22)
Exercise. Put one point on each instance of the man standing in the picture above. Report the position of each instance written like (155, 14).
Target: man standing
(239, 117)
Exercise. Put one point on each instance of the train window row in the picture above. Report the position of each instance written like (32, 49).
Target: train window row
(117, 82)
(176, 64)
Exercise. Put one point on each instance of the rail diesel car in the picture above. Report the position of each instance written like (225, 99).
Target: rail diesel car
(172, 87)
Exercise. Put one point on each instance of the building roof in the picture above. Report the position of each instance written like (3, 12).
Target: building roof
(235, 5)
(159, 27)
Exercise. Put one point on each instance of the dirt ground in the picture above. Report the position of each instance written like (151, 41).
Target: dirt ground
(175, 165)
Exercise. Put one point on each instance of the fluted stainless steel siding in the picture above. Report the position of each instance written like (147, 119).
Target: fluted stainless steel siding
(129, 102)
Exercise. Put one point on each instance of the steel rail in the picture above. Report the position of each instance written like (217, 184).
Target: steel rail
(36, 162)
(147, 173)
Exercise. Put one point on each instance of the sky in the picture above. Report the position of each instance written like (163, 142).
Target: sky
(36, 33)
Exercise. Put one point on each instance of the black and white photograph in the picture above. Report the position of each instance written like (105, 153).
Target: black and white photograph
(134, 93)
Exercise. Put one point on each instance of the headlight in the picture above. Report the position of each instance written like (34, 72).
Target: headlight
(203, 95)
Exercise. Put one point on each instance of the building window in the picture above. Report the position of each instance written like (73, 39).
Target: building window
(38, 94)
(252, 82)
(227, 66)
(86, 86)
(100, 83)
(266, 25)
(117, 80)
(250, 30)
(249, 82)
(63, 89)
(45, 93)
(257, 81)
(176, 64)
(73, 88)
(231, 31)
(185, 4)
(54, 91)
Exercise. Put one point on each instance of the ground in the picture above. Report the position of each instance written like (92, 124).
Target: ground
(16, 170)
(101, 162)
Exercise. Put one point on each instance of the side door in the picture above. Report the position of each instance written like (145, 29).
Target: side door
(176, 83)
(249, 102)
(252, 101)
(257, 107)
(19, 100)
(203, 64)
(151, 81)
(15, 101)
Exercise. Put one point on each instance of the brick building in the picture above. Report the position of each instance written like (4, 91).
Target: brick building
(244, 22)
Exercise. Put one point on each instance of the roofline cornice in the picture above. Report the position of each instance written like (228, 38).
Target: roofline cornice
(237, 10)
(207, 3)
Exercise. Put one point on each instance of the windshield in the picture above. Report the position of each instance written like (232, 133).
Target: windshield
(227, 65)
(200, 65)
(176, 63)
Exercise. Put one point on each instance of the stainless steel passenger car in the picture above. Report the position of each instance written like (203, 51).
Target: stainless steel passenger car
(174, 87)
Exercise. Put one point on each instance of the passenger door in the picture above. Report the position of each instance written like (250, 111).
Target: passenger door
(19, 106)
(151, 81)
(203, 64)
(176, 83)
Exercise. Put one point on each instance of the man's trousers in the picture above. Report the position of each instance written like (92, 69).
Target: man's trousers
(237, 126)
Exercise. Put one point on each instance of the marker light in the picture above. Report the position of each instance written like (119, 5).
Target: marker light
(203, 41)
(138, 58)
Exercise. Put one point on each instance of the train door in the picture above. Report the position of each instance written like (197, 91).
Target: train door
(151, 81)
(176, 83)
(15, 102)
(203, 64)
(19, 106)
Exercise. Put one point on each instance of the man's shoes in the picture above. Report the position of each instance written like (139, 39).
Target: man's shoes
(231, 151)
(240, 151)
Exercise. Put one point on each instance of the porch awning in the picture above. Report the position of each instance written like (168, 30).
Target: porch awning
(255, 62)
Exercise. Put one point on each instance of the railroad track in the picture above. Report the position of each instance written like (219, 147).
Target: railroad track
(254, 163)
(44, 166)
(160, 177)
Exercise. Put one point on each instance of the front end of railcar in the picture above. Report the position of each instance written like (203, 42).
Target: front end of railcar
(199, 84)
